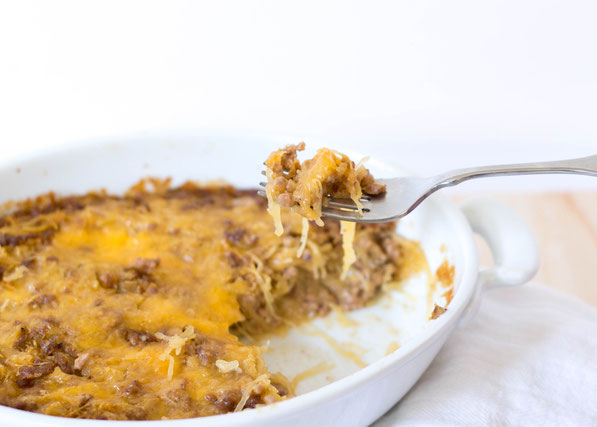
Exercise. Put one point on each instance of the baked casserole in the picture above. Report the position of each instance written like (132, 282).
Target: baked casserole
(131, 306)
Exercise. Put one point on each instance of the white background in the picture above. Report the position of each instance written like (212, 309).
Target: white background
(432, 85)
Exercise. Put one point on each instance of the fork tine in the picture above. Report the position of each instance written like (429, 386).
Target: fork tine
(338, 203)
(348, 202)
(342, 209)
(341, 215)
(341, 205)
(335, 212)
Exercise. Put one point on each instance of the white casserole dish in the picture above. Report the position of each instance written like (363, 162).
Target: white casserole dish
(353, 397)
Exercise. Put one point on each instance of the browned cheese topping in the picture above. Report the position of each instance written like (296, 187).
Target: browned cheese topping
(130, 307)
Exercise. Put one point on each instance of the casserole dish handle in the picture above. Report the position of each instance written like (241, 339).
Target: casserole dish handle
(514, 249)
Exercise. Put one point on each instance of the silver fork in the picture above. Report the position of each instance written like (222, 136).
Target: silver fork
(406, 193)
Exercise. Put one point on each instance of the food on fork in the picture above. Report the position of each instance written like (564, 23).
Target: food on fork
(131, 306)
(306, 187)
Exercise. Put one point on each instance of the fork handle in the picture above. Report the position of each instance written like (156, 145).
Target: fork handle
(582, 166)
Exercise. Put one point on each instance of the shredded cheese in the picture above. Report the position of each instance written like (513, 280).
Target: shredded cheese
(318, 261)
(226, 367)
(320, 194)
(261, 379)
(264, 281)
(15, 274)
(347, 229)
(304, 234)
(273, 207)
(176, 343)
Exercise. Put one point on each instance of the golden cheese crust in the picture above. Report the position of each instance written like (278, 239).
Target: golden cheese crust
(129, 307)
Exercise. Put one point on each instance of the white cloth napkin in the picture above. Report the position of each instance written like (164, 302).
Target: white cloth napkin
(529, 358)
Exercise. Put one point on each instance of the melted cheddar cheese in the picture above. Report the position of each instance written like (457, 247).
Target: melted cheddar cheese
(129, 307)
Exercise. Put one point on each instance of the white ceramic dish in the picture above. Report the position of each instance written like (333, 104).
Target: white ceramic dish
(345, 395)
